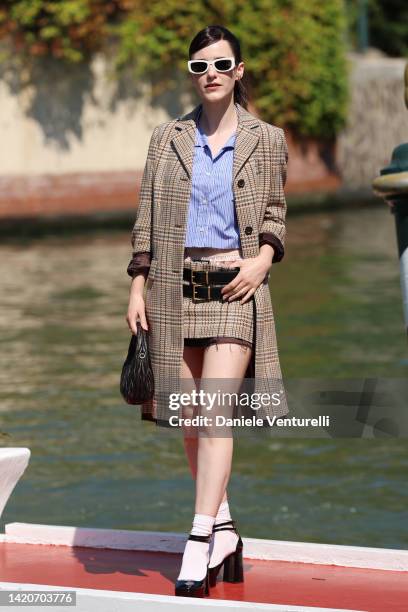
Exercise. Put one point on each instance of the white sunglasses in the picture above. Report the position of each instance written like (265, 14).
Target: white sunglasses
(221, 64)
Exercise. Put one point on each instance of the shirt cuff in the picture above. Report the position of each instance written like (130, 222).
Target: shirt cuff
(139, 264)
(273, 241)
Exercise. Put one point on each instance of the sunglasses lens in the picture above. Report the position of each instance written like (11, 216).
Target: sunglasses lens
(223, 65)
(198, 67)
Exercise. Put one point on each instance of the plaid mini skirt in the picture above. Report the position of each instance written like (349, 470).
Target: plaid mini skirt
(216, 322)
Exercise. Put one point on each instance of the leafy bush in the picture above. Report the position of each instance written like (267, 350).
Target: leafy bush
(294, 51)
(66, 29)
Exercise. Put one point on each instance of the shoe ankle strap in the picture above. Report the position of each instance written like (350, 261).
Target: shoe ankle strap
(220, 526)
(200, 538)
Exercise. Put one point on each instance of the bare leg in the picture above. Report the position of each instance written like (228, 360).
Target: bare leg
(214, 456)
(211, 460)
(195, 556)
(191, 369)
(192, 366)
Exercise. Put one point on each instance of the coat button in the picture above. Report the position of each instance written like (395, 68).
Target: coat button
(241, 183)
(248, 229)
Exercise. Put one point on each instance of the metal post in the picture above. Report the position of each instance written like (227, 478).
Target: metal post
(362, 25)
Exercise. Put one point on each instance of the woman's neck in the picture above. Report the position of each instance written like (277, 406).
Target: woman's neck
(219, 118)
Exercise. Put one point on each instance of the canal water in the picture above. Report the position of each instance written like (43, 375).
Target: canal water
(338, 309)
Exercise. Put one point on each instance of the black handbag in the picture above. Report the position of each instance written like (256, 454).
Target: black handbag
(136, 380)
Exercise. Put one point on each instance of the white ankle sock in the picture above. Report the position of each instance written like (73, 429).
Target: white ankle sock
(223, 513)
(202, 524)
(225, 541)
(195, 557)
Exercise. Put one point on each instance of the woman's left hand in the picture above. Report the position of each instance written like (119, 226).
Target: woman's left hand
(252, 273)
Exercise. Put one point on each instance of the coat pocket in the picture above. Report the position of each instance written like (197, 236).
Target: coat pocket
(149, 282)
(152, 271)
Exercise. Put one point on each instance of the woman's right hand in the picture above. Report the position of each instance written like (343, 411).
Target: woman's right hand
(136, 309)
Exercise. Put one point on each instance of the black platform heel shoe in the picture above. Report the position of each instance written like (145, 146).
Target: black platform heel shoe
(194, 588)
(233, 564)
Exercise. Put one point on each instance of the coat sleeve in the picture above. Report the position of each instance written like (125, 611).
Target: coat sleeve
(273, 229)
(141, 232)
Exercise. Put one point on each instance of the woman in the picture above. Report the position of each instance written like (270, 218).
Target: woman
(210, 222)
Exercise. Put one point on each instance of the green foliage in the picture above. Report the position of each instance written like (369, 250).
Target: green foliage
(294, 51)
(68, 29)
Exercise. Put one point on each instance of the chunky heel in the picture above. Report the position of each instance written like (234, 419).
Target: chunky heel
(207, 584)
(233, 566)
(233, 563)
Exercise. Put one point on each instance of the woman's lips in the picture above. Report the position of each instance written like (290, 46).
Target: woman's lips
(211, 86)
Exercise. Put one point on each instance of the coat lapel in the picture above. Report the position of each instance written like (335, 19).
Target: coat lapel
(246, 140)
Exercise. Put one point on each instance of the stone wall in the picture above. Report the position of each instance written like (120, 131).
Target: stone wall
(377, 118)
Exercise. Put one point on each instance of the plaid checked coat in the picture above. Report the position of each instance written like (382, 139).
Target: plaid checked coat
(259, 176)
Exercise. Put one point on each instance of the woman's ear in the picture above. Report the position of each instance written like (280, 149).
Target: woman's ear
(240, 71)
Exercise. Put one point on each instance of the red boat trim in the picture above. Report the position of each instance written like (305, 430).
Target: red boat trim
(170, 542)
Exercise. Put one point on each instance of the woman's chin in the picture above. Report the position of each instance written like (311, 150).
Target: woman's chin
(213, 95)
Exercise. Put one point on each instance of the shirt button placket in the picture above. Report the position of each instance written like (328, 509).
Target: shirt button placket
(209, 164)
(202, 199)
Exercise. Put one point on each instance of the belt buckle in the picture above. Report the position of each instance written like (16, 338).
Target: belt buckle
(198, 299)
(192, 276)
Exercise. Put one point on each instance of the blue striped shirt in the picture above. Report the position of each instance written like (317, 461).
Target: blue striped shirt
(212, 220)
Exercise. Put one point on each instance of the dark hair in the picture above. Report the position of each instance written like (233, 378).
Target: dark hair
(212, 34)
